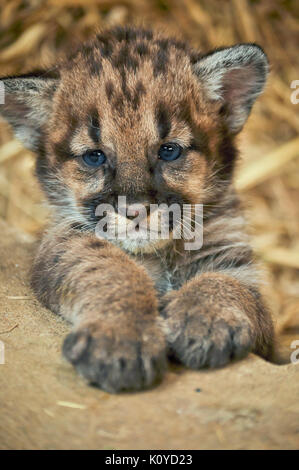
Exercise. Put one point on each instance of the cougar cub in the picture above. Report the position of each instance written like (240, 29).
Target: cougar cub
(137, 115)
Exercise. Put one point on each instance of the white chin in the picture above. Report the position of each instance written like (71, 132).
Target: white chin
(141, 245)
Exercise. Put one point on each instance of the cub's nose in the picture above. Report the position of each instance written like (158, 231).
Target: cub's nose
(132, 214)
(137, 209)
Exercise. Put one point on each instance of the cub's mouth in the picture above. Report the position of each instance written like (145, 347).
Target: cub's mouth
(142, 224)
(136, 215)
(144, 227)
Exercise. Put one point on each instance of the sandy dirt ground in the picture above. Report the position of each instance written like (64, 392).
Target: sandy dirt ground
(44, 404)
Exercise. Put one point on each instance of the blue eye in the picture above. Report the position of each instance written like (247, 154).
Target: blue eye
(94, 158)
(170, 152)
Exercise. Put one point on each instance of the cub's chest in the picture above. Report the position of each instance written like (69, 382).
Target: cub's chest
(159, 273)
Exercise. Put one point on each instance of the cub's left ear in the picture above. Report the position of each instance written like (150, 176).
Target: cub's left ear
(234, 76)
(26, 105)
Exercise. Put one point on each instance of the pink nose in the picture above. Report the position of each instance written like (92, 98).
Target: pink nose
(137, 209)
(133, 214)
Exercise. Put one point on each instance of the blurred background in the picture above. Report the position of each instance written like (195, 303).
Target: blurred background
(34, 33)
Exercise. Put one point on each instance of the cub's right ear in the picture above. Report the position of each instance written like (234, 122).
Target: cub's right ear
(235, 76)
(26, 103)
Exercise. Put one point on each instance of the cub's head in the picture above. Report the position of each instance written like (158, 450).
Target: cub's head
(134, 114)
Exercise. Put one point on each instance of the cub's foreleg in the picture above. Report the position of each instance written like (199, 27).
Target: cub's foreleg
(214, 318)
(116, 342)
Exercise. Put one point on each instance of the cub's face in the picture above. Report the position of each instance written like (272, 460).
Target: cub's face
(138, 116)
(139, 131)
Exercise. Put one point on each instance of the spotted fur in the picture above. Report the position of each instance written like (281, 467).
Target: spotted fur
(126, 92)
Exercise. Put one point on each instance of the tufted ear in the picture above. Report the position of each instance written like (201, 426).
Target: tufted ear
(26, 104)
(235, 76)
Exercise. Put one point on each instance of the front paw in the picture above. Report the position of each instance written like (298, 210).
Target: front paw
(200, 338)
(116, 362)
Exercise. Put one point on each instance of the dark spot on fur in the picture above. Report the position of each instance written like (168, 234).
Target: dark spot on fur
(77, 226)
(87, 50)
(191, 341)
(163, 43)
(146, 34)
(95, 244)
(105, 46)
(139, 91)
(160, 60)
(91, 269)
(93, 63)
(163, 121)
(109, 87)
(56, 259)
(62, 149)
(94, 126)
(200, 142)
(95, 67)
(124, 34)
(227, 155)
(142, 49)
(124, 59)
